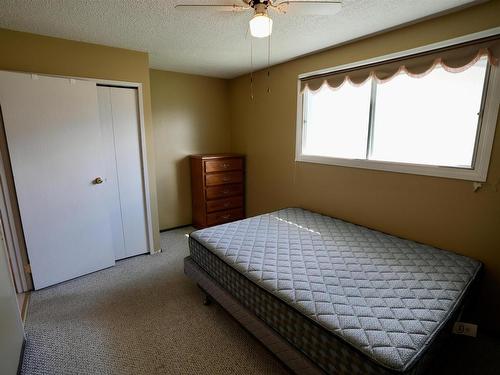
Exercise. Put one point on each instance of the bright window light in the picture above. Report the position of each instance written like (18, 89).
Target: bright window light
(430, 121)
(337, 121)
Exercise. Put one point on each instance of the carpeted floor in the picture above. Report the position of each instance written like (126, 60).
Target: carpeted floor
(143, 316)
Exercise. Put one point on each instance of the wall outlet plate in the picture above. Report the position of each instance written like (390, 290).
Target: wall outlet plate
(467, 329)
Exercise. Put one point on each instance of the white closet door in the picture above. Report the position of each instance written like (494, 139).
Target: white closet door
(54, 137)
(111, 189)
(120, 105)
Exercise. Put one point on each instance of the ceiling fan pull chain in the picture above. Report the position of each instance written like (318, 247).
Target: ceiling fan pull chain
(269, 64)
(251, 68)
(251, 85)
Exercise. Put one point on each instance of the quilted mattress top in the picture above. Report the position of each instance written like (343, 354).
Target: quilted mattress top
(386, 296)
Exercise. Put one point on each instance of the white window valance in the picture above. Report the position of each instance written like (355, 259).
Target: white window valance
(453, 59)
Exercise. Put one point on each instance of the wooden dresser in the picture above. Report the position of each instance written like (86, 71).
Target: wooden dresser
(217, 188)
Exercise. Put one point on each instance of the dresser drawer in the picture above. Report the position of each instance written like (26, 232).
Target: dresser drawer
(223, 178)
(224, 191)
(224, 204)
(224, 216)
(223, 165)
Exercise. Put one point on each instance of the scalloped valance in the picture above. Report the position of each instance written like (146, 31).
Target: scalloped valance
(453, 59)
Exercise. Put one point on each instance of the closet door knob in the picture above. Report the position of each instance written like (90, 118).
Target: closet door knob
(97, 181)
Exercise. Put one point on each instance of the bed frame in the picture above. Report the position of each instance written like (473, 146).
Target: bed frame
(290, 356)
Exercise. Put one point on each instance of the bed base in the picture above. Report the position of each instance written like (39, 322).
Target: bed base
(289, 355)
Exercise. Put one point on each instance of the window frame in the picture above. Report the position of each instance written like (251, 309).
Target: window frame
(484, 138)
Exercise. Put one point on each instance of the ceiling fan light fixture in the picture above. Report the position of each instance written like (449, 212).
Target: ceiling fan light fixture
(261, 25)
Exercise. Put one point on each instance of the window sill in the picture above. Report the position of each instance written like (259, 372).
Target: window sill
(476, 174)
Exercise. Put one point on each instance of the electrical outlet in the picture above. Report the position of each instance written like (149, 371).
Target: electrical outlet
(467, 329)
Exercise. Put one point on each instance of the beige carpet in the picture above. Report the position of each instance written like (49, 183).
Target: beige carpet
(142, 316)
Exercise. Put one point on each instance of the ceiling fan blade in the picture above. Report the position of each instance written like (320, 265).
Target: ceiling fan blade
(216, 7)
(305, 7)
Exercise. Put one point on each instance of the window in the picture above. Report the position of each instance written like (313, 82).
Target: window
(431, 123)
(337, 122)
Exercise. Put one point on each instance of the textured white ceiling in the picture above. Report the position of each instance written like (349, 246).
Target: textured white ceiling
(205, 41)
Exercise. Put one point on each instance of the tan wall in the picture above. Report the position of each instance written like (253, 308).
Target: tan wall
(35, 53)
(438, 211)
(190, 116)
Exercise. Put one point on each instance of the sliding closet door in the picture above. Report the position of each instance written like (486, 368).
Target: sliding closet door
(119, 113)
(111, 189)
(54, 138)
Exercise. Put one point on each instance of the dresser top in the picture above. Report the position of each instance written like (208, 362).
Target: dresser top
(216, 156)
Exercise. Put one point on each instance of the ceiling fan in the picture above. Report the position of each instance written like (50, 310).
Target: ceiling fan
(261, 25)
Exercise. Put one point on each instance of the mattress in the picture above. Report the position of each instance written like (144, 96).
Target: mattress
(352, 299)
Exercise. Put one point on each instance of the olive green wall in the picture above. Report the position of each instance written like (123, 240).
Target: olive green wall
(190, 116)
(437, 211)
(40, 54)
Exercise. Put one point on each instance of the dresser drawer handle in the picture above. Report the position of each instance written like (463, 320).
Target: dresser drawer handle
(226, 216)
(225, 179)
(225, 192)
(225, 165)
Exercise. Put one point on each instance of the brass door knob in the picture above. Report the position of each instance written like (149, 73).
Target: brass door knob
(97, 181)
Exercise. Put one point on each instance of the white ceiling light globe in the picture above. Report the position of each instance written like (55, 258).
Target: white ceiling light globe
(261, 26)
